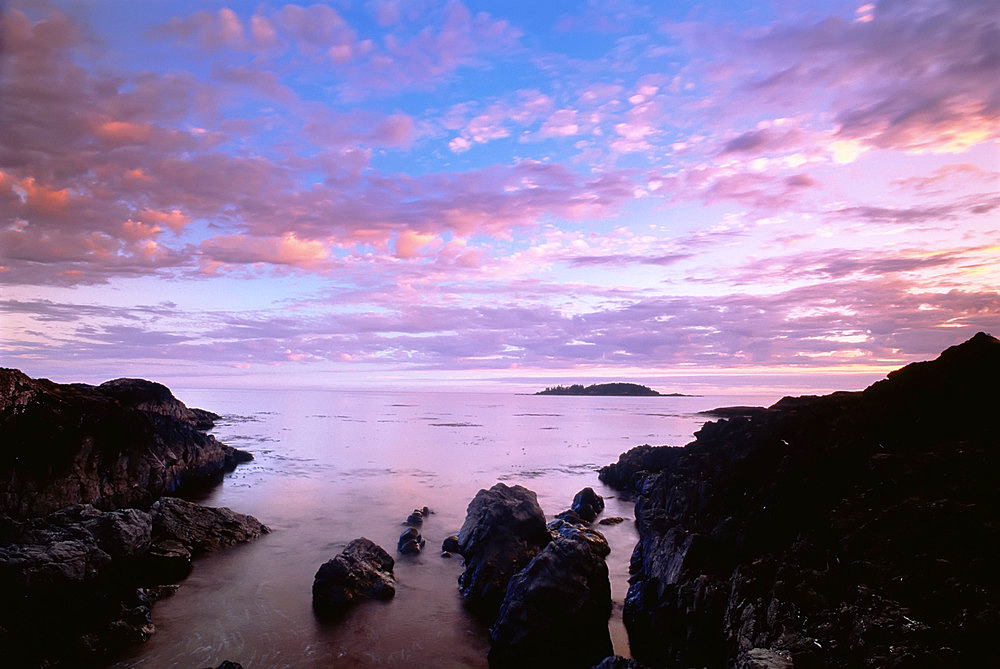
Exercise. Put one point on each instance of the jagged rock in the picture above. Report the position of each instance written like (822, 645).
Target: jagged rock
(117, 445)
(410, 542)
(202, 529)
(415, 519)
(504, 528)
(831, 531)
(556, 609)
(764, 658)
(362, 571)
(587, 504)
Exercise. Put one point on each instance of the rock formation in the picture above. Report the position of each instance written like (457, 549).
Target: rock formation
(555, 611)
(123, 443)
(504, 528)
(362, 571)
(86, 542)
(854, 529)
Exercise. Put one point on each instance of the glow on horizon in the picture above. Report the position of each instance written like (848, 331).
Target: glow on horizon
(483, 195)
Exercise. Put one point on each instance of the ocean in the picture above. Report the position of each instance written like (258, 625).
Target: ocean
(333, 466)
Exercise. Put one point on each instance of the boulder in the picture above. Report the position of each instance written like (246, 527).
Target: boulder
(362, 571)
(410, 542)
(450, 544)
(504, 529)
(556, 609)
(588, 504)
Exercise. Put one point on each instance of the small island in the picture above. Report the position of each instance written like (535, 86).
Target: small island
(606, 389)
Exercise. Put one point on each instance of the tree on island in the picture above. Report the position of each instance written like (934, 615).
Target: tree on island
(625, 389)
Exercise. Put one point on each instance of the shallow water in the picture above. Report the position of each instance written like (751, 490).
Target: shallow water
(333, 466)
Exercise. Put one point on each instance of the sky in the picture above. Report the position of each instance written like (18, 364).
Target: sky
(496, 195)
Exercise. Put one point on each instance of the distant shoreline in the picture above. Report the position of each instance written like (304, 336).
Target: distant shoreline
(608, 390)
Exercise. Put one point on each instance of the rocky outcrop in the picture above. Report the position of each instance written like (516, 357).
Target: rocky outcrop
(86, 546)
(555, 612)
(84, 580)
(362, 571)
(202, 529)
(123, 443)
(504, 529)
(854, 529)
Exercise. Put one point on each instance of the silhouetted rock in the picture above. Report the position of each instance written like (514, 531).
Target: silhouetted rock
(504, 528)
(123, 443)
(410, 542)
(613, 520)
(450, 544)
(78, 580)
(588, 504)
(854, 529)
(555, 611)
(635, 465)
(362, 571)
(227, 664)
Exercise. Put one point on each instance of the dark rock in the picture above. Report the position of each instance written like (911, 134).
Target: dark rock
(450, 544)
(854, 529)
(362, 571)
(572, 517)
(635, 465)
(410, 542)
(504, 528)
(556, 609)
(447, 554)
(228, 664)
(613, 520)
(168, 561)
(121, 444)
(415, 519)
(202, 529)
(587, 504)
(618, 662)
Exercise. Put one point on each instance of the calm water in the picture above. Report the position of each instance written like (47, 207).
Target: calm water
(333, 466)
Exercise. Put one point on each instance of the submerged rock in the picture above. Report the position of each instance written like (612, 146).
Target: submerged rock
(410, 542)
(504, 529)
(555, 611)
(362, 571)
(854, 529)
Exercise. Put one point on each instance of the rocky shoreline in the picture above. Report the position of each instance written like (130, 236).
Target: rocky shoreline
(854, 529)
(89, 539)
